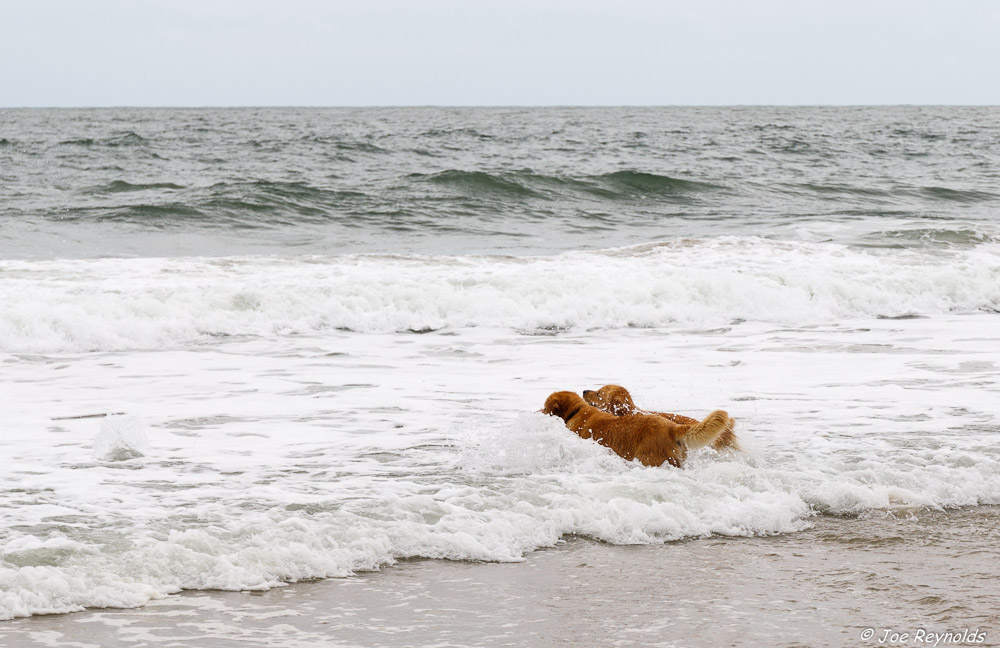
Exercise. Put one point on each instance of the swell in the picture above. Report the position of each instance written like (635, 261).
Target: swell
(419, 202)
(121, 186)
(946, 194)
(637, 183)
(127, 138)
(889, 193)
(232, 204)
(616, 185)
(511, 185)
(432, 199)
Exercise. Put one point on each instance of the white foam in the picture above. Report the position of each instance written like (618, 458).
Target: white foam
(114, 304)
(513, 486)
(121, 437)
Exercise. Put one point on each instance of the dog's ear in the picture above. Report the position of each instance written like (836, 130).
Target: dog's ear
(553, 404)
(563, 404)
(548, 406)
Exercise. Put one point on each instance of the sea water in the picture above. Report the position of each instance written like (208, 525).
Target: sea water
(327, 333)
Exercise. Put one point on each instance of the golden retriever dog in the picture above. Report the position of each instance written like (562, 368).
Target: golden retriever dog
(616, 400)
(651, 439)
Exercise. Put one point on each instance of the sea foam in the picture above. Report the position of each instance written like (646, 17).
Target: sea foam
(513, 487)
(122, 437)
(119, 304)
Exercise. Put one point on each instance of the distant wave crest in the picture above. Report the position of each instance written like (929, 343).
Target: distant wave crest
(614, 185)
(127, 138)
(120, 186)
(434, 199)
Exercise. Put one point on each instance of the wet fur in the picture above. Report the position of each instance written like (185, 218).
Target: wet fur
(651, 439)
(616, 400)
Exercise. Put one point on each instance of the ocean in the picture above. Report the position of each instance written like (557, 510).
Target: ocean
(248, 349)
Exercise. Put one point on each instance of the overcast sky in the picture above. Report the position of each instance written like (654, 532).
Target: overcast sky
(493, 52)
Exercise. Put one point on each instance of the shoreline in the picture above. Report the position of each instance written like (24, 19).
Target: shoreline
(929, 571)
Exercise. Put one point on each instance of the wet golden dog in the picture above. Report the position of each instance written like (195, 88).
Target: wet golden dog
(651, 439)
(616, 400)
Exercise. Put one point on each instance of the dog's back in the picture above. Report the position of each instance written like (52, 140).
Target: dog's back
(648, 438)
(617, 400)
(651, 439)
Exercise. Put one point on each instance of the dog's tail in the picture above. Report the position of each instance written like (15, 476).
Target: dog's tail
(727, 440)
(708, 431)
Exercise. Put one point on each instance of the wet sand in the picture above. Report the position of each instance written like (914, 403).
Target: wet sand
(933, 572)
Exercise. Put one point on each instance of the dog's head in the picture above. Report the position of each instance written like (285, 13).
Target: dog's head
(613, 399)
(564, 404)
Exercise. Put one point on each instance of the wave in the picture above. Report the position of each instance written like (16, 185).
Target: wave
(456, 200)
(617, 185)
(636, 182)
(124, 139)
(506, 490)
(958, 195)
(478, 182)
(269, 203)
(457, 132)
(341, 144)
(836, 192)
(147, 214)
(120, 186)
(107, 304)
(244, 205)
(889, 193)
(941, 238)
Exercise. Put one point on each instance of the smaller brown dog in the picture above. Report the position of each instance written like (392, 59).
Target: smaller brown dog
(616, 400)
(651, 439)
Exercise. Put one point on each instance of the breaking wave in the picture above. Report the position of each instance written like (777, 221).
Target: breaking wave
(113, 304)
(507, 491)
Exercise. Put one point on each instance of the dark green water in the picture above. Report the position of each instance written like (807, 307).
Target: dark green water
(148, 182)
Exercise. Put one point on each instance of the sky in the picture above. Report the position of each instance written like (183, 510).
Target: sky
(493, 52)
